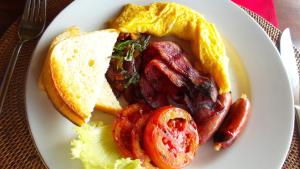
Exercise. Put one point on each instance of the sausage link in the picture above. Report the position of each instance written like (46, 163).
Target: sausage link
(207, 128)
(233, 124)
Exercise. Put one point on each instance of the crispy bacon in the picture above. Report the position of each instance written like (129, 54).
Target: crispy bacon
(172, 54)
(152, 97)
(132, 94)
(166, 77)
(163, 83)
(202, 108)
(160, 76)
(169, 78)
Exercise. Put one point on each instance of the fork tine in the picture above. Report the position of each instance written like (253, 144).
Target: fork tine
(26, 10)
(43, 10)
(32, 9)
(37, 10)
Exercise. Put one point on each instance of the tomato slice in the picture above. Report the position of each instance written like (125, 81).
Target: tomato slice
(125, 123)
(137, 139)
(134, 111)
(171, 138)
(122, 134)
(137, 142)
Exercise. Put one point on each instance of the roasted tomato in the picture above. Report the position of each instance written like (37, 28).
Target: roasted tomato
(125, 123)
(122, 136)
(134, 111)
(137, 142)
(171, 138)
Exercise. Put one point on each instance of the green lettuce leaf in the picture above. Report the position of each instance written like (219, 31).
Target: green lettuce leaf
(127, 163)
(96, 149)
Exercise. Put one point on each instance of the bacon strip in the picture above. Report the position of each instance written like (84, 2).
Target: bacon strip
(152, 97)
(169, 78)
(159, 74)
(171, 54)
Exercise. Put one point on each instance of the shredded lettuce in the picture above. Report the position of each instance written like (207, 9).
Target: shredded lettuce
(127, 163)
(96, 149)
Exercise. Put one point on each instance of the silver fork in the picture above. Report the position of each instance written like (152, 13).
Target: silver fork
(31, 26)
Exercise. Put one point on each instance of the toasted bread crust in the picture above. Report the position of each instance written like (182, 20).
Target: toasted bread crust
(78, 66)
(46, 83)
(57, 101)
(55, 85)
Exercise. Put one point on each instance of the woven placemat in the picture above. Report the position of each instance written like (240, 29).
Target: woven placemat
(17, 149)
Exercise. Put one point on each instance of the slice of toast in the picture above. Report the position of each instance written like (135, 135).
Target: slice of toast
(57, 101)
(107, 101)
(70, 32)
(46, 83)
(77, 67)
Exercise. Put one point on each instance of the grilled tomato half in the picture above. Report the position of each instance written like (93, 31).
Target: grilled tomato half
(171, 138)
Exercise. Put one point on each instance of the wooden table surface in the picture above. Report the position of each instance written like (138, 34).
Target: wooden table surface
(288, 14)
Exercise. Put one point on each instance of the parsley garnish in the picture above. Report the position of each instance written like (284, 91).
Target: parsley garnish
(120, 46)
(133, 79)
(124, 51)
(129, 53)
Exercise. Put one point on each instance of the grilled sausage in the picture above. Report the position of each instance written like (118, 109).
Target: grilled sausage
(233, 124)
(207, 128)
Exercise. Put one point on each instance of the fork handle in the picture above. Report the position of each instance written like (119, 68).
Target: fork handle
(9, 72)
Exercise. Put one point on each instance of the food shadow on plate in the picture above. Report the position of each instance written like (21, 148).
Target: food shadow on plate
(62, 148)
(206, 155)
(106, 118)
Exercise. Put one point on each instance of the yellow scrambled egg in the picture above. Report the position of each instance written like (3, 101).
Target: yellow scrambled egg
(161, 19)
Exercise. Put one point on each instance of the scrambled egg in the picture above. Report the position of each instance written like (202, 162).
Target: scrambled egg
(161, 19)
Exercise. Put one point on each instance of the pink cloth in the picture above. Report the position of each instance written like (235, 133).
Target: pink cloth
(264, 8)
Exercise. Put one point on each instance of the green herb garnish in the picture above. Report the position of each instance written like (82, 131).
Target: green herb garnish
(120, 46)
(129, 53)
(145, 42)
(133, 79)
(125, 51)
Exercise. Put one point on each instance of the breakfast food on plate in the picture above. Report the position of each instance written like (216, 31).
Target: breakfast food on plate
(143, 133)
(122, 74)
(233, 124)
(165, 77)
(167, 100)
(74, 70)
(162, 74)
(171, 137)
(207, 128)
(95, 149)
(162, 19)
(107, 101)
(124, 124)
(46, 82)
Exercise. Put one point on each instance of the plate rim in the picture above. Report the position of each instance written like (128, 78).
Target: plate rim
(73, 3)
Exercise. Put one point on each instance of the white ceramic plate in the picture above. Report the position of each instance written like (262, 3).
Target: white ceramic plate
(255, 69)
